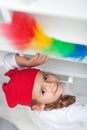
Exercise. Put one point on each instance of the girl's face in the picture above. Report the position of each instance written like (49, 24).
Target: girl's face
(47, 88)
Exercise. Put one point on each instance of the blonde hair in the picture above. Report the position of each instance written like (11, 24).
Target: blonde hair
(62, 101)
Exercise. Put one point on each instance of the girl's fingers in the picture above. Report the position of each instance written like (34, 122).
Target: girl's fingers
(38, 59)
(42, 58)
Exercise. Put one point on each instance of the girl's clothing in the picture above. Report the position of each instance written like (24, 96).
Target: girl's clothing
(70, 117)
(6, 125)
(9, 62)
(18, 90)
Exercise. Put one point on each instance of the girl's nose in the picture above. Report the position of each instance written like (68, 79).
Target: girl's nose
(49, 85)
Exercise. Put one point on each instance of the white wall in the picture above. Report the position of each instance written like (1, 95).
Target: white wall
(64, 28)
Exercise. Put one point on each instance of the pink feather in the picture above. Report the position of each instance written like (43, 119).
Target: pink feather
(20, 31)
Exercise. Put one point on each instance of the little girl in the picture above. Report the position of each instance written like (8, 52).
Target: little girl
(32, 87)
(41, 91)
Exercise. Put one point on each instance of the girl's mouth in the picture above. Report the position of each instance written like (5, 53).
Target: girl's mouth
(57, 86)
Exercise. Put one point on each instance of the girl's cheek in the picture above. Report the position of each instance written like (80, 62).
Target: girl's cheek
(52, 78)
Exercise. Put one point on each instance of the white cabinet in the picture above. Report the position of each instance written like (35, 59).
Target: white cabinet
(66, 8)
(62, 19)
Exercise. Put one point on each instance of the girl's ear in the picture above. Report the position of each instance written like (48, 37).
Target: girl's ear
(38, 107)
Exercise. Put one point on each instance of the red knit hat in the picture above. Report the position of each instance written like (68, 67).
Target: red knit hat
(19, 88)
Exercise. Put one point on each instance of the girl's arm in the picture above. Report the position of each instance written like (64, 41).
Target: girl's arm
(36, 60)
(12, 60)
(75, 113)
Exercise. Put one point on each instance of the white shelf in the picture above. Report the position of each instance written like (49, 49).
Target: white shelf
(6, 46)
(67, 8)
(65, 68)
(59, 67)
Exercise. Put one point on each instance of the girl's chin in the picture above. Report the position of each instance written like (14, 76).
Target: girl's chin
(60, 90)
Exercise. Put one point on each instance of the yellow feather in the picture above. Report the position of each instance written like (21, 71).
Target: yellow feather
(40, 41)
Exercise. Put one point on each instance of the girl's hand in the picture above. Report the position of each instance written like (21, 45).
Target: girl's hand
(36, 60)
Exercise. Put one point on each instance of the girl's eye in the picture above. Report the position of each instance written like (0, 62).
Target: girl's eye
(45, 76)
(43, 91)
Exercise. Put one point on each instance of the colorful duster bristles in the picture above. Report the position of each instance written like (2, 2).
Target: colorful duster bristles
(25, 33)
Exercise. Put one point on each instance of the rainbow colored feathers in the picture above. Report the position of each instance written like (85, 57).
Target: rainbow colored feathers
(25, 33)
